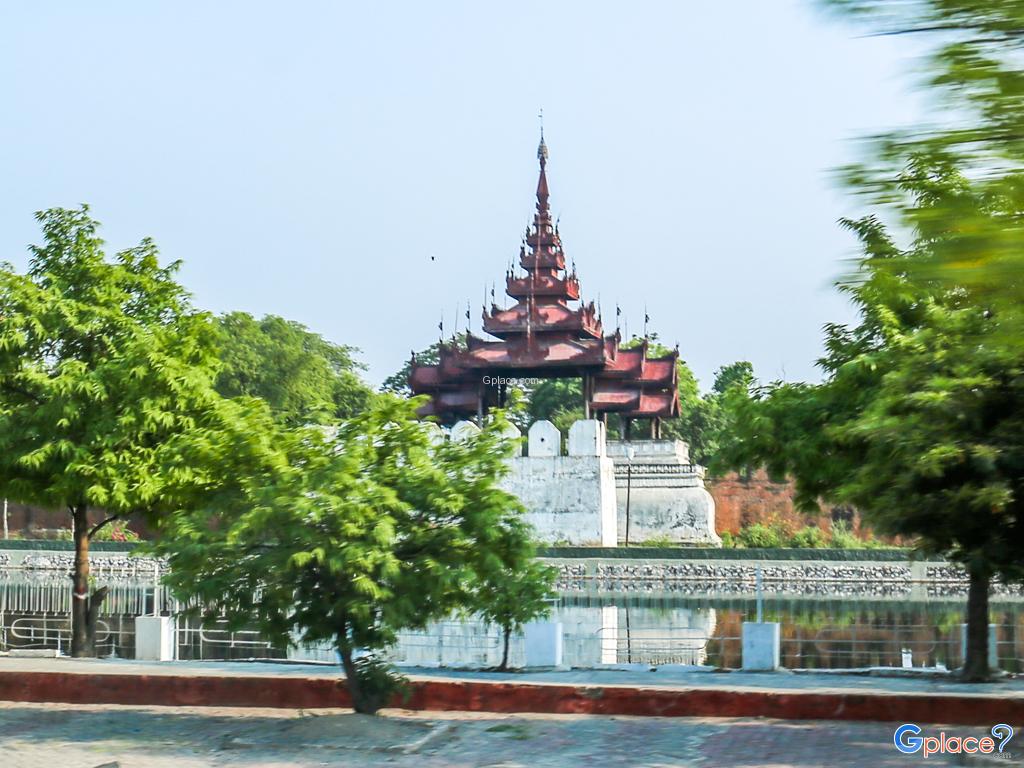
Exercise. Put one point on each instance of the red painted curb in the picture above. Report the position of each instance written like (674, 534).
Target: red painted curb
(476, 696)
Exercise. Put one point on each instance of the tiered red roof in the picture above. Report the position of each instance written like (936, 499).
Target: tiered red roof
(543, 336)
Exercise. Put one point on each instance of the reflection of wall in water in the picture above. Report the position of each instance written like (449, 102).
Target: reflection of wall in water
(592, 635)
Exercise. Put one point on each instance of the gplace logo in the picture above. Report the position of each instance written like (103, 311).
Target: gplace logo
(909, 741)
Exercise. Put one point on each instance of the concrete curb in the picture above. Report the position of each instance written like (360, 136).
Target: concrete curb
(477, 696)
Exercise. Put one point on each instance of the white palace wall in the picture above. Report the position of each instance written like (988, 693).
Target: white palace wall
(569, 497)
(592, 491)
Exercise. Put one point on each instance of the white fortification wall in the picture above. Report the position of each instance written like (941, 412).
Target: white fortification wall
(596, 491)
(660, 494)
(569, 497)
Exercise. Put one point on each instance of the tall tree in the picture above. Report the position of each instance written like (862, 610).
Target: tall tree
(957, 182)
(304, 378)
(918, 422)
(102, 362)
(362, 534)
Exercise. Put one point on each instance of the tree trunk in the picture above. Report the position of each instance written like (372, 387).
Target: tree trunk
(976, 661)
(504, 653)
(360, 702)
(81, 637)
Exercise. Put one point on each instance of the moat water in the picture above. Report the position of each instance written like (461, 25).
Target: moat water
(819, 631)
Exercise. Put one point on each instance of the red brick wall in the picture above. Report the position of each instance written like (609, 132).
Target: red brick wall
(740, 502)
(28, 520)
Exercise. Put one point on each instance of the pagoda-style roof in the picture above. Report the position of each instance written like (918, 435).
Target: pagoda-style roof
(543, 336)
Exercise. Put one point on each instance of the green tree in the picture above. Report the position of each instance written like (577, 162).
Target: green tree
(917, 423)
(358, 536)
(304, 378)
(102, 362)
(957, 182)
(704, 420)
(519, 590)
(974, 78)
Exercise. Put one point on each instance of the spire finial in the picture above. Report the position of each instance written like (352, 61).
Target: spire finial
(542, 182)
(542, 148)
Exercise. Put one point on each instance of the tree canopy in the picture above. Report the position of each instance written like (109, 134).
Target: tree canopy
(377, 528)
(102, 363)
(304, 378)
(930, 379)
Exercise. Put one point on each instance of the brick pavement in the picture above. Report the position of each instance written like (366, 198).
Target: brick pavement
(47, 735)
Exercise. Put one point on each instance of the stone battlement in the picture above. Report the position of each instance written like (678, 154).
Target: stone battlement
(583, 489)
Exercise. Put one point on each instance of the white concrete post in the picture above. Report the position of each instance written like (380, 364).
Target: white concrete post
(544, 439)
(154, 638)
(511, 432)
(464, 430)
(543, 643)
(586, 438)
(434, 433)
(993, 653)
(760, 646)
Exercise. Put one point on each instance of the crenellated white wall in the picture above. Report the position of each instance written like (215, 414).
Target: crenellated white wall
(581, 497)
(569, 498)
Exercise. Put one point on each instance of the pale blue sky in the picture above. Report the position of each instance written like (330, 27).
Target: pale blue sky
(307, 158)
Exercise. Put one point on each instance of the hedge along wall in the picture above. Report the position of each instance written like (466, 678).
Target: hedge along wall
(719, 553)
(604, 553)
(51, 545)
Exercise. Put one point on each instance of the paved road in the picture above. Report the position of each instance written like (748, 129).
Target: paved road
(65, 736)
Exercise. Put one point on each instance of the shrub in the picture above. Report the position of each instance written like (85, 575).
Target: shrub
(762, 536)
(808, 537)
(658, 541)
(380, 683)
(843, 538)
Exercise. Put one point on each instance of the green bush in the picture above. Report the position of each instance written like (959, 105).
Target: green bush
(843, 538)
(380, 683)
(762, 536)
(728, 542)
(808, 537)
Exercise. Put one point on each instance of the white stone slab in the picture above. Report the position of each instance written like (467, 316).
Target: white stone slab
(154, 638)
(587, 438)
(544, 644)
(511, 432)
(760, 646)
(464, 430)
(434, 432)
(544, 439)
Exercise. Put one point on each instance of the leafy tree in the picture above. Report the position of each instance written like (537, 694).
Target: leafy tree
(358, 536)
(102, 362)
(559, 401)
(304, 378)
(918, 421)
(704, 422)
(517, 592)
(957, 182)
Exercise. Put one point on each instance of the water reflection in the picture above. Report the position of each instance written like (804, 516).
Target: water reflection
(817, 632)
